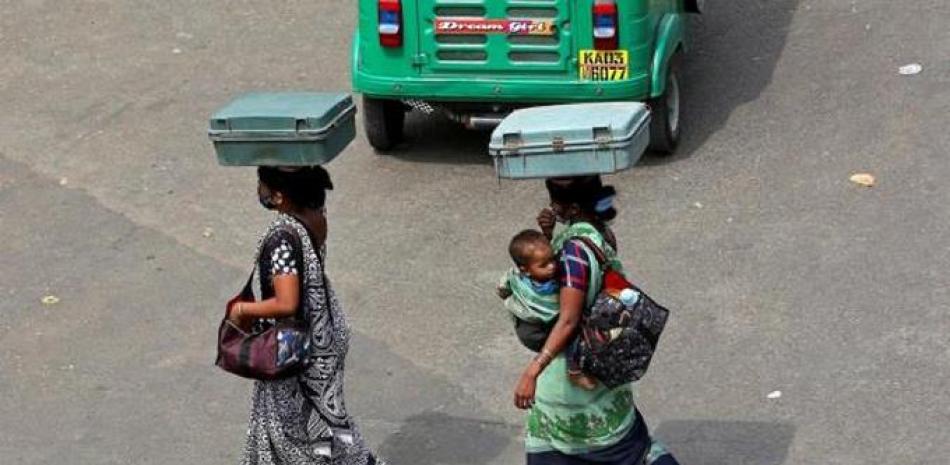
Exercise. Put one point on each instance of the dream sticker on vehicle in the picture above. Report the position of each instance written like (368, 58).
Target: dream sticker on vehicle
(515, 27)
(604, 65)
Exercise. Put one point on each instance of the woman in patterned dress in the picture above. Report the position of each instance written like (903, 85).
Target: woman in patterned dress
(300, 420)
(568, 425)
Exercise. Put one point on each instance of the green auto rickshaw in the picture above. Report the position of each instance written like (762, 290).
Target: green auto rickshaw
(477, 60)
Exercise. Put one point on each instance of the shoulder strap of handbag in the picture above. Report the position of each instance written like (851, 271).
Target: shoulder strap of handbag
(247, 294)
(597, 251)
(604, 266)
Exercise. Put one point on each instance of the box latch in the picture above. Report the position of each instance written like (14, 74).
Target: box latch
(221, 124)
(512, 141)
(603, 137)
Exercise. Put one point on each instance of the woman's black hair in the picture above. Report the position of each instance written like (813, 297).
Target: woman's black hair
(306, 187)
(587, 192)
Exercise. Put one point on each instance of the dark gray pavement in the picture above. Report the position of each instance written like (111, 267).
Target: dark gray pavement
(782, 274)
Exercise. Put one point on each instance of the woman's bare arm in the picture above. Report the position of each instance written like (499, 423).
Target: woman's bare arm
(572, 306)
(284, 303)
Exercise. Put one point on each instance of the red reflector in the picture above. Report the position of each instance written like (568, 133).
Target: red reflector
(606, 26)
(391, 5)
(390, 40)
(390, 23)
(606, 44)
(605, 9)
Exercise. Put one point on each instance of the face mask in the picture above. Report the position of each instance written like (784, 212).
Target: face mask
(604, 204)
(267, 201)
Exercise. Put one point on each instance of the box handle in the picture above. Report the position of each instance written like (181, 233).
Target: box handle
(603, 137)
(222, 124)
(512, 141)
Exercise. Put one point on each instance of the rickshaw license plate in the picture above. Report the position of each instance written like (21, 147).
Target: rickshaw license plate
(604, 65)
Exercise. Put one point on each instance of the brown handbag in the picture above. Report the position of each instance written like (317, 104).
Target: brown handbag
(279, 351)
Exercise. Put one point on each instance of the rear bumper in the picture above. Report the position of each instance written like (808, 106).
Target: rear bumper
(468, 89)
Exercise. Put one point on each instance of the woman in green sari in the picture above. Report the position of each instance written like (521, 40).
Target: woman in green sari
(568, 425)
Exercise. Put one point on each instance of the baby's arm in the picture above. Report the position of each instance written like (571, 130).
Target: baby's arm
(504, 293)
(503, 289)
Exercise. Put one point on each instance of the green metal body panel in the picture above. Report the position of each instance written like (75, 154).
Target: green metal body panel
(427, 66)
(671, 34)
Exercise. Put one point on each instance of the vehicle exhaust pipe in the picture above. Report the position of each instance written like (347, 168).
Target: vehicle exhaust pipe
(477, 121)
(482, 121)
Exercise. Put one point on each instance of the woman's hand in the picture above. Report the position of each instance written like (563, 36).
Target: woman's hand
(236, 313)
(572, 301)
(282, 305)
(524, 391)
(546, 221)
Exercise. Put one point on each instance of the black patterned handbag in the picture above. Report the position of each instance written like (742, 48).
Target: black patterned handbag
(619, 333)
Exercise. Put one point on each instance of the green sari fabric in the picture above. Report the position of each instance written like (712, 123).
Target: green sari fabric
(564, 417)
(525, 303)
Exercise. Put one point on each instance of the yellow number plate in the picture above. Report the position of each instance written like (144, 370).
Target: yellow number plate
(604, 65)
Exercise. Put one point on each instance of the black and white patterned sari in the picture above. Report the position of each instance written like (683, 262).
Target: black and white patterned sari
(303, 419)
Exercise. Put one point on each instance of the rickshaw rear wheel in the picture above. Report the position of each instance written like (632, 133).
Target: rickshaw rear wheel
(383, 121)
(666, 124)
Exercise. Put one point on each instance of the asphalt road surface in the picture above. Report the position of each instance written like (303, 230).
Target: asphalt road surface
(782, 274)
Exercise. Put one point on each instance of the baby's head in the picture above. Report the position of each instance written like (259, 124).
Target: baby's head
(533, 255)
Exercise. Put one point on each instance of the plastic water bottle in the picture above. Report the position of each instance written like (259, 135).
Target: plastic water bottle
(628, 297)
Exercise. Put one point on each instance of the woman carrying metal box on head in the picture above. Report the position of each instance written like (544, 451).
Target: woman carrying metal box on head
(295, 338)
(604, 329)
(567, 424)
(300, 419)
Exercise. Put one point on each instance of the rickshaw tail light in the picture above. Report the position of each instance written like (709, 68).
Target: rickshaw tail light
(606, 33)
(390, 23)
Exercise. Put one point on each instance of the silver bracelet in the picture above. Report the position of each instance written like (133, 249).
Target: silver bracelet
(543, 358)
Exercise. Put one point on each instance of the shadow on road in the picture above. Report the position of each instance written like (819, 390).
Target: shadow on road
(734, 50)
(436, 438)
(727, 442)
(435, 139)
(436, 421)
